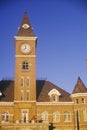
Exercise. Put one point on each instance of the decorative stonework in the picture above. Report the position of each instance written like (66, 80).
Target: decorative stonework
(6, 103)
(55, 92)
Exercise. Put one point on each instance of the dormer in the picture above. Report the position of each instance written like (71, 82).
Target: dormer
(54, 95)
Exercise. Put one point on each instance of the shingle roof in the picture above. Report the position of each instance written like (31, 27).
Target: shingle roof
(28, 32)
(42, 88)
(7, 90)
(79, 87)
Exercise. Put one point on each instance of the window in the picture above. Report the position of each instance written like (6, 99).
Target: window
(24, 114)
(28, 82)
(22, 81)
(54, 95)
(28, 95)
(83, 100)
(22, 95)
(54, 98)
(67, 116)
(25, 65)
(56, 116)
(5, 117)
(76, 101)
(44, 116)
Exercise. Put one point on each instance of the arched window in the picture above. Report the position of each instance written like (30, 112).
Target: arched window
(22, 95)
(54, 98)
(28, 82)
(56, 117)
(54, 95)
(24, 115)
(25, 65)
(76, 101)
(44, 116)
(67, 116)
(83, 100)
(5, 116)
(22, 81)
(28, 95)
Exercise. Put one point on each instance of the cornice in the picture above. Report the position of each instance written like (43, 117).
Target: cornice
(6, 103)
(25, 56)
(78, 95)
(54, 103)
(25, 38)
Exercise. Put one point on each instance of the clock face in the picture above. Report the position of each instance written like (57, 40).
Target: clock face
(25, 48)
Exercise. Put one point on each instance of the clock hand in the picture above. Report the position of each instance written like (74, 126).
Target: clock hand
(24, 47)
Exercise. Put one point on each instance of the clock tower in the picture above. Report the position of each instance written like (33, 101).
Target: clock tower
(25, 63)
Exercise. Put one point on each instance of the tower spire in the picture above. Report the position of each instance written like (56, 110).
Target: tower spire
(25, 28)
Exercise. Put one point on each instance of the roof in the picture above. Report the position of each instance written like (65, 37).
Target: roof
(25, 28)
(42, 89)
(79, 87)
(7, 90)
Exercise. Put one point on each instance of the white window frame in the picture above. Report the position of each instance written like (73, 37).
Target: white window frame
(44, 116)
(56, 117)
(54, 98)
(5, 117)
(67, 116)
(24, 115)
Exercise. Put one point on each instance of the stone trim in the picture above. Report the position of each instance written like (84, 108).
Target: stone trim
(25, 38)
(6, 103)
(20, 56)
(54, 103)
(78, 94)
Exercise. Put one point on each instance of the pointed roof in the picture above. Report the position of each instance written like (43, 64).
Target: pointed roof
(79, 87)
(25, 28)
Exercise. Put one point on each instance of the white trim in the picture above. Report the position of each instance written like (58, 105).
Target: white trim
(6, 103)
(54, 103)
(21, 56)
(54, 91)
(78, 94)
(24, 38)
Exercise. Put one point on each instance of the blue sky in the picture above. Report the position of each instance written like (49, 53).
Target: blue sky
(61, 28)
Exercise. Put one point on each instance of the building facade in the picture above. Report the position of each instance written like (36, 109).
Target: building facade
(30, 104)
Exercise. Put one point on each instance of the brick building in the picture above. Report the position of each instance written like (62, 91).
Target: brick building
(30, 104)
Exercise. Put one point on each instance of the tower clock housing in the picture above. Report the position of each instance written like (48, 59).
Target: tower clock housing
(25, 62)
